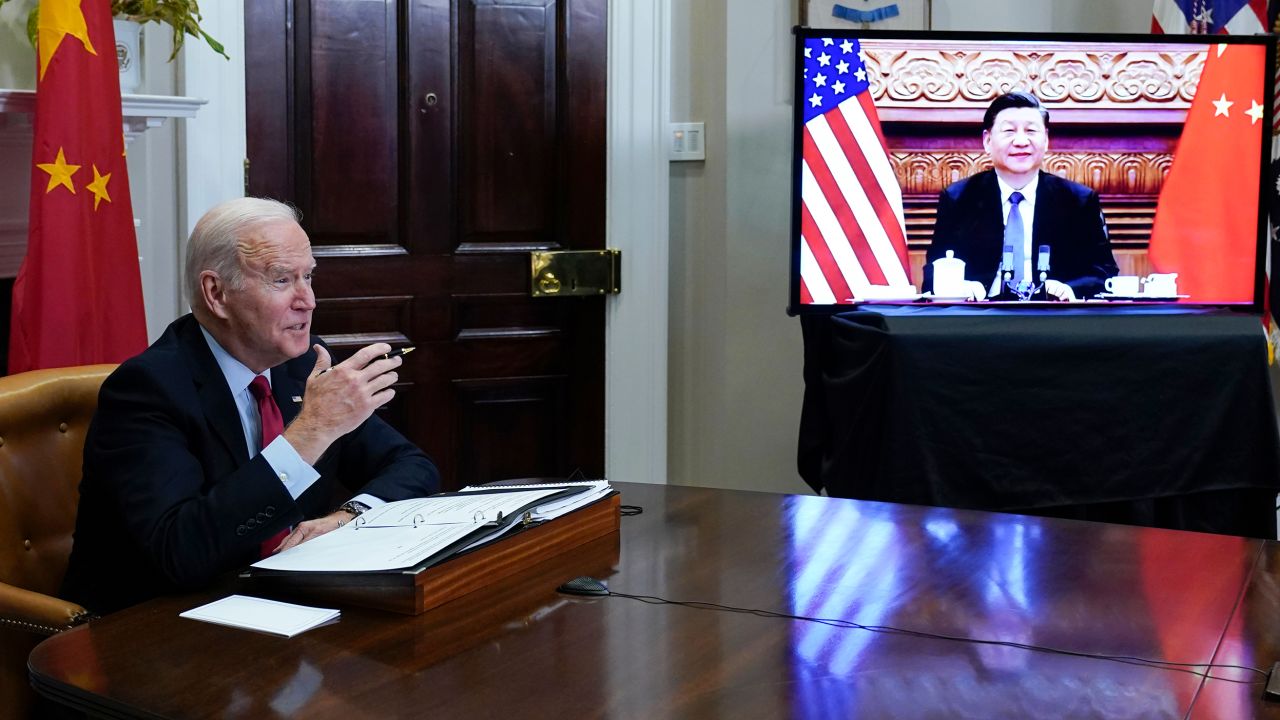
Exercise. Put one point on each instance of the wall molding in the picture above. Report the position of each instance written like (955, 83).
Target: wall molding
(17, 111)
(638, 176)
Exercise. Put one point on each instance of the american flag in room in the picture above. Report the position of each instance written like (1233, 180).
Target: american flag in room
(851, 225)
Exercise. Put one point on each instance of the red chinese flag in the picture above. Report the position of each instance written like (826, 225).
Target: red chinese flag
(1206, 226)
(78, 296)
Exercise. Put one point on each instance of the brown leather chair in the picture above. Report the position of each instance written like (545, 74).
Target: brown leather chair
(44, 415)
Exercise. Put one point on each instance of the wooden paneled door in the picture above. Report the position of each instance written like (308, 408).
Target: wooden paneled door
(431, 145)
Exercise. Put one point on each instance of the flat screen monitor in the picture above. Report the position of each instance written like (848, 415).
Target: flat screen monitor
(958, 167)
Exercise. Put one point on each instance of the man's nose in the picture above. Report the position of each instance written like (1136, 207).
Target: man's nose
(304, 298)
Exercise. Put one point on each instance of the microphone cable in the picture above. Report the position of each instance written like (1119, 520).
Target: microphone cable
(593, 587)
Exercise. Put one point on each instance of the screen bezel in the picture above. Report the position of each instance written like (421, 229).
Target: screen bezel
(1268, 42)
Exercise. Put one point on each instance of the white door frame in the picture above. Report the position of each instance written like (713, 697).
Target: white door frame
(636, 223)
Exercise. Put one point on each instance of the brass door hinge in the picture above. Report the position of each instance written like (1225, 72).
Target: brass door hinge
(562, 273)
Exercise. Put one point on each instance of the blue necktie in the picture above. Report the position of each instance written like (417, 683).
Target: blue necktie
(1013, 235)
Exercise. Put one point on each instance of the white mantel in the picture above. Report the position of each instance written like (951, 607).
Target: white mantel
(141, 112)
(17, 109)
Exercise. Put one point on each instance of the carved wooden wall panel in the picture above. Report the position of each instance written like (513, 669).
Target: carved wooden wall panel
(924, 172)
(967, 76)
(1115, 117)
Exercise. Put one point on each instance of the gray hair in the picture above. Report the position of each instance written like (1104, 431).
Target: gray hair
(215, 241)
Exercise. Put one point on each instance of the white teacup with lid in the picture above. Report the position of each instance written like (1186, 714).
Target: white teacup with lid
(948, 276)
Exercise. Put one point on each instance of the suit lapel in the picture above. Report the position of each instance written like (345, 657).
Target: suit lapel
(216, 401)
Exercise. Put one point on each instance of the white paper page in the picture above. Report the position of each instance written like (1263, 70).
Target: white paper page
(562, 507)
(269, 616)
(385, 538)
(451, 509)
(556, 508)
(376, 548)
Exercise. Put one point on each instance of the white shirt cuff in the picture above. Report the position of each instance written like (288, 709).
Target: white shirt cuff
(292, 470)
(369, 500)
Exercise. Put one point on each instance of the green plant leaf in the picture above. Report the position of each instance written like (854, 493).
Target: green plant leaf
(33, 22)
(183, 16)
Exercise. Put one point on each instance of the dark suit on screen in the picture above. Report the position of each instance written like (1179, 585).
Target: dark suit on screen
(1068, 218)
(170, 498)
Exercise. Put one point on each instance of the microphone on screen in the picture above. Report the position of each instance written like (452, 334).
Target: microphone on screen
(1041, 292)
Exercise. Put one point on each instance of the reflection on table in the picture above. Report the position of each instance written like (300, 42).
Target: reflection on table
(1076, 586)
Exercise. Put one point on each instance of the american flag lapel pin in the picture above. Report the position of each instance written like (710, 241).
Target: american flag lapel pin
(297, 398)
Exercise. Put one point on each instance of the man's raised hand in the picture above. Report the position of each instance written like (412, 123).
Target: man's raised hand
(341, 397)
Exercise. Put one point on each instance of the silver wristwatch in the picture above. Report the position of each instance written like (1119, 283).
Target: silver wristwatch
(354, 507)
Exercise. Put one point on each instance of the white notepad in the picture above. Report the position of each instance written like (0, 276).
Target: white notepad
(268, 616)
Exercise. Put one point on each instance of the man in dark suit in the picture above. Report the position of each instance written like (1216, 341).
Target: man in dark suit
(233, 435)
(1018, 204)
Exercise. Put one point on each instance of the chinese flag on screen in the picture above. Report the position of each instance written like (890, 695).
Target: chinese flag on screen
(78, 296)
(1207, 216)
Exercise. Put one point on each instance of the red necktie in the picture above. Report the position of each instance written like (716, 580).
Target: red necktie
(272, 426)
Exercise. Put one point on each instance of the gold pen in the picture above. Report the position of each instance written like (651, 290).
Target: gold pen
(384, 356)
(395, 353)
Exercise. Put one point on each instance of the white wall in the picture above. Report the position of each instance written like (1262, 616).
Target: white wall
(735, 383)
(17, 58)
(153, 188)
(1114, 16)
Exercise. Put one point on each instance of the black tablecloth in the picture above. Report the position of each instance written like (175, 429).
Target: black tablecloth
(1156, 418)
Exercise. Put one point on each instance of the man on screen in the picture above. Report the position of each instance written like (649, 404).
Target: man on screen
(1020, 206)
(233, 436)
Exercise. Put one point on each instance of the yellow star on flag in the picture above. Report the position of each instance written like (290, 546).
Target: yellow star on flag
(58, 19)
(1254, 111)
(59, 173)
(1223, 106)
(99, 187)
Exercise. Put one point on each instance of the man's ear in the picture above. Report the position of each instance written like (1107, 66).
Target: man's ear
(213, 292)
(986, 141)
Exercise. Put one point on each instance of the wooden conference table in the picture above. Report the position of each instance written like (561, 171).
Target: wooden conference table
(522, 650)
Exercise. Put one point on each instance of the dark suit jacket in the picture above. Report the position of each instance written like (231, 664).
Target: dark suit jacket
(1068, 219)
(170, 499)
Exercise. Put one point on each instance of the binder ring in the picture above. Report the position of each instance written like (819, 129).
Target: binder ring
(361, 522)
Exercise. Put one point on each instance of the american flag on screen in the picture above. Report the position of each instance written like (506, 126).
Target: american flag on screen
(1209, 17)
(852, 234)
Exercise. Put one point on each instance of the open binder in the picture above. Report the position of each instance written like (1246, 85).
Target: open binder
(412, 555)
